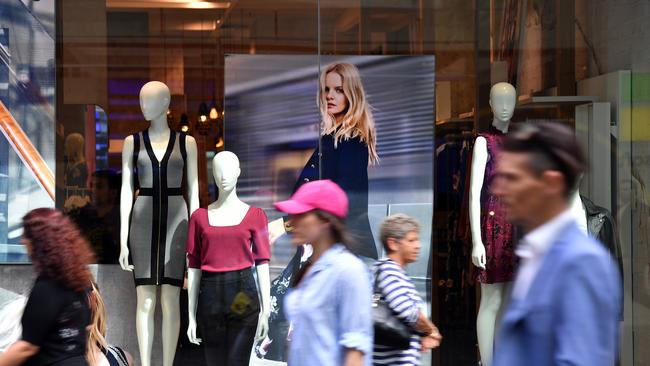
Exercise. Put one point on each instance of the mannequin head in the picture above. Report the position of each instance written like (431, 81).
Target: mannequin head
(74, 147)
(503, 99)
(225, 167)
(154, 100)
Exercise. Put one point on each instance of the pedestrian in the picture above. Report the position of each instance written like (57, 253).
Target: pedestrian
(57, 312)
(399, 235)
(566, 297)
(329, 303)
(98, 351)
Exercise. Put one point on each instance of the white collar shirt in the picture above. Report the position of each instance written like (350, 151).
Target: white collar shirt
(533, 249)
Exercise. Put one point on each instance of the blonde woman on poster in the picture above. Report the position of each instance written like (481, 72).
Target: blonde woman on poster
(348, 145)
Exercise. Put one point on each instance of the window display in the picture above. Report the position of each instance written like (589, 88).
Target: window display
(227, 242)
(154, 226)
(492, 234)
(403, 104)
(374, 98)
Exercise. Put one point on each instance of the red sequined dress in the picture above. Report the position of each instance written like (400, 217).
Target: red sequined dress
(497, 233)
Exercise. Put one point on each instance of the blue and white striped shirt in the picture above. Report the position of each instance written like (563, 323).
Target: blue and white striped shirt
(400, 294)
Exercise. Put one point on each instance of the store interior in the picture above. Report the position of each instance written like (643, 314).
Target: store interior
(576, 62)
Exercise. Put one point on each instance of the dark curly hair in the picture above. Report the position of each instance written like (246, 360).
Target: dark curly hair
(58, 250)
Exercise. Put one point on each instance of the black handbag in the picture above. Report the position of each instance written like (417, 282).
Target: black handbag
(389, 330)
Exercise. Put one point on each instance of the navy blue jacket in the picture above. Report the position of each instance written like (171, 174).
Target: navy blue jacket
(347, 166)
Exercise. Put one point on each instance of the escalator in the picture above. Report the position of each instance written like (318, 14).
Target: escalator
(27, 121)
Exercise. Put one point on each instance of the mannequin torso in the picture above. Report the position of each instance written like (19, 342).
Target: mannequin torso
(156, 149)
(226, 217)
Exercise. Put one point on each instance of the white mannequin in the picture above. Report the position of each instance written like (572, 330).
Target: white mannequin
(228, 210)
(154, 102)
(503, 98)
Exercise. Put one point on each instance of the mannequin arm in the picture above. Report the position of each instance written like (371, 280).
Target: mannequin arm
(192, 174)
(276, 230)
(126, 202)
(193, 284)
(264, 285)
(479, 161)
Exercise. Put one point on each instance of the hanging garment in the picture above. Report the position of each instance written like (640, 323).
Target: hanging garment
(158, 225)
(600, 225)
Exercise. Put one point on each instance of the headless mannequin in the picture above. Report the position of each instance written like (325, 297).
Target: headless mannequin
(503, 99)
(228, 210)
(154, 102)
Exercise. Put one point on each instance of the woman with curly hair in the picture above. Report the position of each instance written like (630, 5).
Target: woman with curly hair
(57, 312)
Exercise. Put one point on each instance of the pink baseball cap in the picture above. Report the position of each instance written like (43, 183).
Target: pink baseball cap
(322, 195)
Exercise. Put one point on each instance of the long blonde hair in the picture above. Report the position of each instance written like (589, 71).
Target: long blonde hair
(97, 330)
(74, 147)
(357, 120)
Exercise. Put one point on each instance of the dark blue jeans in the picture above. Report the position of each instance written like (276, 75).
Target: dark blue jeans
(227, 316)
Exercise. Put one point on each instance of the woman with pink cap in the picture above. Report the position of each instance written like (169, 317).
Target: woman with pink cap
(330, 300)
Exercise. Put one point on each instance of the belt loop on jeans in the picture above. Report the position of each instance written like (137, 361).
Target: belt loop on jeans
(177, 191)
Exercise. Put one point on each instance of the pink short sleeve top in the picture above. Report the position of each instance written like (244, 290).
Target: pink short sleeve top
(228, 248)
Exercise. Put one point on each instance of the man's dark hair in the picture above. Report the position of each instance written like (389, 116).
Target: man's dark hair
(111, 177)
(551, 146)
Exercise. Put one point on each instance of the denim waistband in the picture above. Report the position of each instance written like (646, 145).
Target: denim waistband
(245, 273)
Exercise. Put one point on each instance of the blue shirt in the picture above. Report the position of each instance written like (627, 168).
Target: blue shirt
(330, 311)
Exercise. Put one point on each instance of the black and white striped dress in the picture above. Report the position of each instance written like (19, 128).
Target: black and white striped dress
(400, 294)
(116, 356)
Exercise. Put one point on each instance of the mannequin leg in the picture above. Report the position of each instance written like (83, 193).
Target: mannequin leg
(491, 299)
(144, 322)
(171, 321)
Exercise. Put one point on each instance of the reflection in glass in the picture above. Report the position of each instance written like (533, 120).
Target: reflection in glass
(27, 154)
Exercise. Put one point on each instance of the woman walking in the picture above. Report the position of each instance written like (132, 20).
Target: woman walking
(57, 312)
(400, 237)
(330, 300)
(98, 351)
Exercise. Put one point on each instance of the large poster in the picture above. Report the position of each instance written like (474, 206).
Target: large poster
(274, 123)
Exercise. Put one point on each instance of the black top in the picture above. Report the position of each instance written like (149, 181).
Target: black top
(346, 165)
(55, 319)
(76, 175)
